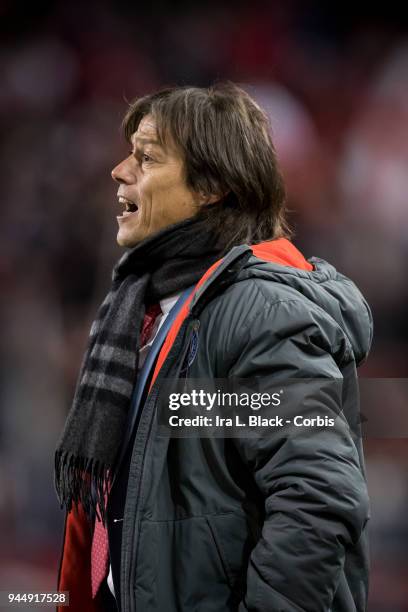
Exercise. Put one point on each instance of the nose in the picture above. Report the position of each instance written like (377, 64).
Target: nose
(122, 172)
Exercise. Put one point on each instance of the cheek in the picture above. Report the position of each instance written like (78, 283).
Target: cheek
(165, 197)
(176, 203)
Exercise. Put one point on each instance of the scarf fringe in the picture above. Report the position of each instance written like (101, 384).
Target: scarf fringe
(82, 480)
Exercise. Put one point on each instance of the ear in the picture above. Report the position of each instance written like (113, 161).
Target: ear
(209, 198)
(212, 198)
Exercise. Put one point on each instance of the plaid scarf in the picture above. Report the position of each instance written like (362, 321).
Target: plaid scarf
(166, 263)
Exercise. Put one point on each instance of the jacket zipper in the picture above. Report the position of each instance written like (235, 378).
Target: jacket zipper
(192, 350)
(130, 551)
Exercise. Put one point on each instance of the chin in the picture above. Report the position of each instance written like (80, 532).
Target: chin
(127, 241)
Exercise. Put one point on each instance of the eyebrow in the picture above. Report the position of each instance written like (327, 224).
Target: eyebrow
(145, 140)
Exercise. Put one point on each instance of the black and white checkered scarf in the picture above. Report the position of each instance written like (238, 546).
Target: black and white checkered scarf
(164, 264)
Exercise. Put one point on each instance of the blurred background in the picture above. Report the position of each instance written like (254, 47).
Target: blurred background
(335, 85)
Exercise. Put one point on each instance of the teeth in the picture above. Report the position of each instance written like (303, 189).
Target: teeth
(123, 200)
(130, 206)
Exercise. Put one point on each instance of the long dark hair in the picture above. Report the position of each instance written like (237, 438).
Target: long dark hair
(225, 140)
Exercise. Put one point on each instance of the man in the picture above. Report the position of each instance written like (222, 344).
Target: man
(258, 523)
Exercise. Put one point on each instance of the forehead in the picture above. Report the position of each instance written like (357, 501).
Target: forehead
(148, 134)
(146, 131)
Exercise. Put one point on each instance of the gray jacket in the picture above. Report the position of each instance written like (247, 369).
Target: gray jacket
(266, 524)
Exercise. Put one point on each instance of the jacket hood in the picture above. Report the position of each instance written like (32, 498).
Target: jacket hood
(318, 281)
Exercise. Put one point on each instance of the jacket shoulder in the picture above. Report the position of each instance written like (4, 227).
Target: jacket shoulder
(265, 312)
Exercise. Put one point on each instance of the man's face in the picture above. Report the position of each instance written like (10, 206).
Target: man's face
(152, 189)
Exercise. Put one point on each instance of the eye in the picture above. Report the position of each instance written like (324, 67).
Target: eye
(140, 156)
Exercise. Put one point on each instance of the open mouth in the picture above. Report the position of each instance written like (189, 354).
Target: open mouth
(130, 207)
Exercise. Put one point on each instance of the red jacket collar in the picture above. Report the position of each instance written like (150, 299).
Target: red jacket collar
(281, 251)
